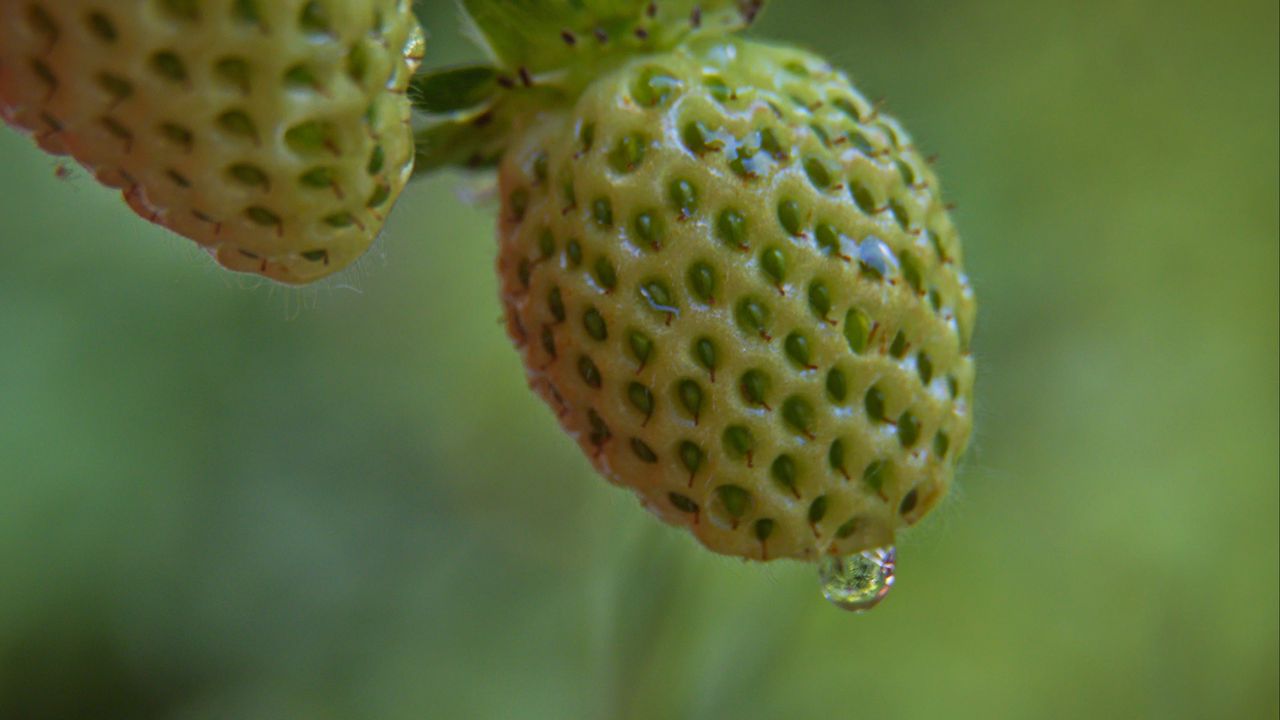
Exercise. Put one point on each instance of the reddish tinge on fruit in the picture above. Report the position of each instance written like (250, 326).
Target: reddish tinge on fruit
(275, 133)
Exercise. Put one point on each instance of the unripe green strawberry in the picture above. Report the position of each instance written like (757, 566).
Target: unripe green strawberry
(272, 132)
(736, 283)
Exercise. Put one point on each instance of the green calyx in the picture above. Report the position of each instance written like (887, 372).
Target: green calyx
(543, 54)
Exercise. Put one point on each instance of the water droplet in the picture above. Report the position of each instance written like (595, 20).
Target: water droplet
(655, 302)
(858, 582)
(876, 256)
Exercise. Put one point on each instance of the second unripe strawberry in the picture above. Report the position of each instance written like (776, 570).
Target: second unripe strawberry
(272, 132)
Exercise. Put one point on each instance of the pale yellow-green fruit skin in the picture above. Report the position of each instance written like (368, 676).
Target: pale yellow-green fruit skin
(274, 134)
(578, 276)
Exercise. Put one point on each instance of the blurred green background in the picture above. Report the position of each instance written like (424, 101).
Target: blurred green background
(221, 499)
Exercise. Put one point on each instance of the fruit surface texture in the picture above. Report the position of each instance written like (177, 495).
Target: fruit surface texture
(274, 133)
(736, 283)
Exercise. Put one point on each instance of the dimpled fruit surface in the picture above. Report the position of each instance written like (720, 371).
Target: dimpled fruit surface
(272, 132)
(737, 285)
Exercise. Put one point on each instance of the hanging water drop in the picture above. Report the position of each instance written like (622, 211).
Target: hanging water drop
(858, 582)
